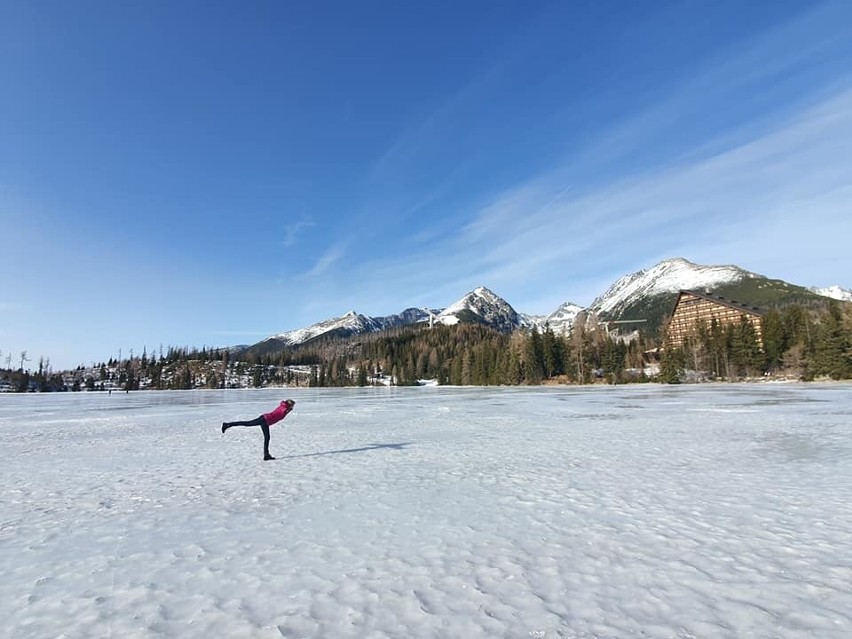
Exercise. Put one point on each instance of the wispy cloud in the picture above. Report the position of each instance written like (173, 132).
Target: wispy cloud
(326, 261)
(775, 204)
(746, 160)
(436, 124)
(788, 185)
(745, 88)
(293, 231)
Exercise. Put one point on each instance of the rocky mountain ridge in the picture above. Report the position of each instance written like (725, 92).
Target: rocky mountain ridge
(669, 276)
(632, 295)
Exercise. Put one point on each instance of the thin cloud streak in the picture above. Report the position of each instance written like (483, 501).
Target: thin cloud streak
(325, 263)
(293, 231)
(748, 188)
(754, 204)
(596, 217)
(759, 70)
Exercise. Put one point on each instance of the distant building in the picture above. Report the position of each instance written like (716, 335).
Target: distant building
(694, 308)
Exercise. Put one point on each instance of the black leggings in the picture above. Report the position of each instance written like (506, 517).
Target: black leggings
(260, 421)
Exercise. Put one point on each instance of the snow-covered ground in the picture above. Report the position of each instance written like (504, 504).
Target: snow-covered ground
(642, 511)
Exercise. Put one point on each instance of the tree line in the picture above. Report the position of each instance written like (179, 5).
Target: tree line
(797, 341)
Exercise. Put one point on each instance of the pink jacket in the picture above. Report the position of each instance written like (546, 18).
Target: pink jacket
(278, 414)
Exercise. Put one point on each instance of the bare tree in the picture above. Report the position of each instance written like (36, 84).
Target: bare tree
(24, 358)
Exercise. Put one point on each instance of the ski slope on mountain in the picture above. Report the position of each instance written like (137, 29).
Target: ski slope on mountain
(642, 511)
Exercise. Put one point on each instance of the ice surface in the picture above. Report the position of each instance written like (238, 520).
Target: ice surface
(642, 511)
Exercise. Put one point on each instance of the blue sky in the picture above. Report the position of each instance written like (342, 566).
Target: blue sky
(210, 173)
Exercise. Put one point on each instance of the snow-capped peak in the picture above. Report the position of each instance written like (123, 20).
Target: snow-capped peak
(484, 305)
(559, 321)
(352, 321)
(834, 292)
(563, 318)
(669, 276)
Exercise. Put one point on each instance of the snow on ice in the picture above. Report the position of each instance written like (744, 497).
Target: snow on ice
(652, 511)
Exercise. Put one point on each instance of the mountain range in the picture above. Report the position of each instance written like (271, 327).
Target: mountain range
(645, 297)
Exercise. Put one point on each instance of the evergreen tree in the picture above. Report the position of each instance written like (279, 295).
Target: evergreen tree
(745, 348)
(774, 342)
(533, 359)
(513, 373)
(613, 359)
(551, 356)
(672, 365)
(831, 346)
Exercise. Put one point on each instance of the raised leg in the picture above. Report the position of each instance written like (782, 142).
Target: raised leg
(259, 421)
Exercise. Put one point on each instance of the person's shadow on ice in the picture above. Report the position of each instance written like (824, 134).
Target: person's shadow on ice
(400, 446)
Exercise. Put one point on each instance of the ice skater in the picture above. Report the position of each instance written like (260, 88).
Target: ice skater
(265, 421)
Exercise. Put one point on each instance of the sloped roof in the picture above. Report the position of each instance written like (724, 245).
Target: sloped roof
(717, 299)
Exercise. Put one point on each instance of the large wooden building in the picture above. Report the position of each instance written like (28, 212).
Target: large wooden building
(694, 308)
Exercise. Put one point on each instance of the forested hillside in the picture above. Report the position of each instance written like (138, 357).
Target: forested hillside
(802, 342)
(806, 342)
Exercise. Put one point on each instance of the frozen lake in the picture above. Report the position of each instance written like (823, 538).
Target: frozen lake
(641, 511)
